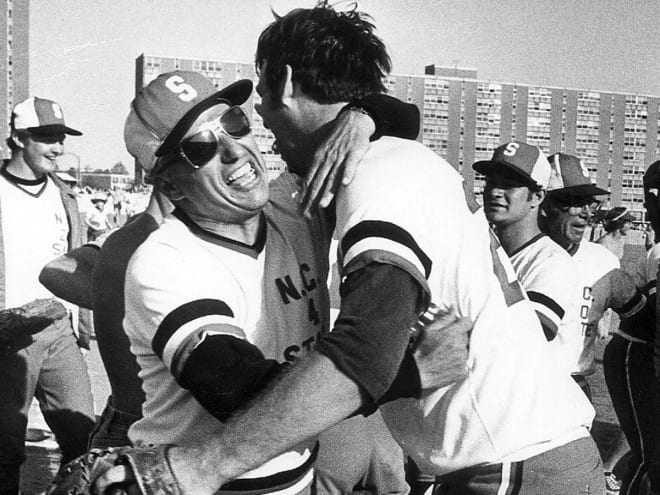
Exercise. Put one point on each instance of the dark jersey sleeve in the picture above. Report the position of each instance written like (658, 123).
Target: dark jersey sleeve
(370, 339)
(223, 372)
(392, 116)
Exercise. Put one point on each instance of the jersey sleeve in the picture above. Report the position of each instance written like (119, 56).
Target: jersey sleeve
(186, 317)
(552, 289)
(171, 305)
(625, 297)
(376, 219)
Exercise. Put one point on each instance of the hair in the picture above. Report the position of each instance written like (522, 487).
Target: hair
(651, 181)
(612, 225)
(335, 56)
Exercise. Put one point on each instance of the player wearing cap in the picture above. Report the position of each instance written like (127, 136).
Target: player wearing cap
(39, 221)
(510, 423)
(628, 364)
(617, 223)
(565, 214)
(516, 179)
(205, 336)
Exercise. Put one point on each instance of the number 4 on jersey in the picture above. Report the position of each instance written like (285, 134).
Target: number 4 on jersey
(312, 312)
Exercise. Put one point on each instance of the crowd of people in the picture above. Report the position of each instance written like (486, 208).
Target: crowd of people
(449, 354)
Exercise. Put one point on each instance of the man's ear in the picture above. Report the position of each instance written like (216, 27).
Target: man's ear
(16, 138)
(287, 89)
(165, 185)
(538, 197)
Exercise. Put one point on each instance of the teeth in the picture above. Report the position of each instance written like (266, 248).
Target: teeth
(246, 172)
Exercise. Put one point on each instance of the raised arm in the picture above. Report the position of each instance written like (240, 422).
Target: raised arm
(358, 123)
(69, 277)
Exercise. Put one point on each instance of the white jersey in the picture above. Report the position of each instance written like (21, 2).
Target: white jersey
(406, 207)
(34, 232)
(593, 262)
(182, 279)
(549, 276)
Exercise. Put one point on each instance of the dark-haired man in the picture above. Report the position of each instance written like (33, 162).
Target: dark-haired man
(516, 180)
(395, 257)
(39, 220)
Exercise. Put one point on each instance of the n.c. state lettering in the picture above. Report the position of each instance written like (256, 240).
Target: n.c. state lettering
(290, 290)
(295, 352)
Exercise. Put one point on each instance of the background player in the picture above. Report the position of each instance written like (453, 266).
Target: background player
(565, 214)
(516, 180)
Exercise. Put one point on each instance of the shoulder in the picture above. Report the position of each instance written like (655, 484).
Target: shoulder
(597, 253)
(653, 254)
(551, 254)
(284, 193)
(170, 243)
(400, 170)
(545, 260)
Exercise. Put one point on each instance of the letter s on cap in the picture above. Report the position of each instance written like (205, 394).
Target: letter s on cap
(178, 86)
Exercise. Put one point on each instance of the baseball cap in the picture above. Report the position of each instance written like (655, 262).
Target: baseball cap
(163, 111)
(40, 116)
(525, 160)
(619, 213)
(569, 176)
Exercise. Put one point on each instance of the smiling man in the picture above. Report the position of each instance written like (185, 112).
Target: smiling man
(39, 221)
(195, 303)
(565, 214)
(516, 181)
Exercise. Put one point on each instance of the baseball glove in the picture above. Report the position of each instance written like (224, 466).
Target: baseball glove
(150, 467)
(18, 324)
(77, 477)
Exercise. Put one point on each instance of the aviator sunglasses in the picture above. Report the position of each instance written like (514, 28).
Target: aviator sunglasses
(202, 146)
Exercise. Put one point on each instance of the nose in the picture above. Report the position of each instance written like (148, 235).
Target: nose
(493, 191)
(229, 149)
(257, 107)
(586, 211)
(58, 147)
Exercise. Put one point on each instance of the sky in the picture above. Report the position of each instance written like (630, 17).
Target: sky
(82, 52)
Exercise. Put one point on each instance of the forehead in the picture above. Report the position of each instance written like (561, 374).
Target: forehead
(209, 115)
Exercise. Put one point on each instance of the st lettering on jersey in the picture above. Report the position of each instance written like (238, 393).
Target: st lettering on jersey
(301, 289)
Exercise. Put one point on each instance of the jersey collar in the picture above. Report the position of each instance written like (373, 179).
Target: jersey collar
(251, 250)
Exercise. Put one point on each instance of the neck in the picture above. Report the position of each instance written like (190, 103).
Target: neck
(245, 232)
(18, 168)
(317, 122)
(515, 235)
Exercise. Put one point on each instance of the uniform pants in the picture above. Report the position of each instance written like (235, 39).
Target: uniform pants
(51, 368)
(111, 429)
(360, 455)
(629, 374)
(572, 469)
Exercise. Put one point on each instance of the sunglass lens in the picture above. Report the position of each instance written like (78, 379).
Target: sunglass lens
(235, 122)
(200, 148)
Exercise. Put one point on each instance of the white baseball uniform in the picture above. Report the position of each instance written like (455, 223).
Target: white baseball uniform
(182, 279)
(514, 402)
